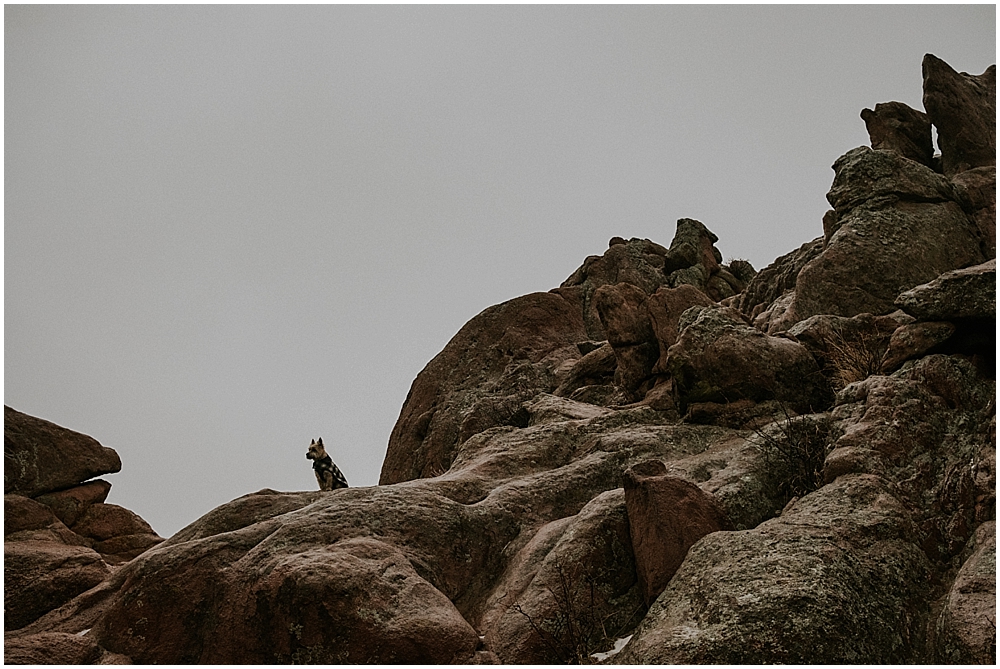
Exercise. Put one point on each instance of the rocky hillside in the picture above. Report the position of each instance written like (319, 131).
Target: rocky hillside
(664, 460)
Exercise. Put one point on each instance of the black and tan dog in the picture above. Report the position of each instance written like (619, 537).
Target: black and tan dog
(328, 475)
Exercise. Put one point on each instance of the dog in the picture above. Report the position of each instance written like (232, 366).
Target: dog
(328, 475)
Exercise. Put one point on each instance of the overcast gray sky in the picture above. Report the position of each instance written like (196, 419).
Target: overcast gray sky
(231, 229)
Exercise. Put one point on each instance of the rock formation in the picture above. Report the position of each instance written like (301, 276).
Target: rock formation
(686, 461)
(60, 537)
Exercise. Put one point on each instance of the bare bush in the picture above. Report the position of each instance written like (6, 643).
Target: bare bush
(576, 630)
(793, 449)
(854, 357)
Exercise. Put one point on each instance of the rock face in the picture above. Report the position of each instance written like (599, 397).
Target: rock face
(63, 539)
(895, 196)
(804, 471)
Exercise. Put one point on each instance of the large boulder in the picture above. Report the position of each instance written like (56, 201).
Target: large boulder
(666, 515)
(693, 260)
(977, 189)
(962, 301)
(625, 318)
(766, 296)
(61, 541)
(966, 628)
(71, 503)
(638, 262)
(509, 351)
(894, 126)
(665, 307)
(718, 357)
(39, 456)
(574, 587)
(884, 201)
(968, 293)
(963, 108)
(832, 581)
(39, 576)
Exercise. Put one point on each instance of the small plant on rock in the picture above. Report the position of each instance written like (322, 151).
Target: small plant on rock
(793, 449)
(854, 357)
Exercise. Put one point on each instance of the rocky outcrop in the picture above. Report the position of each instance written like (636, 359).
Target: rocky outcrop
(963, 108)
(894, 196)
(667, 515)
(883, 200)
(769, 293)
(61, 541)
(39, 456)
(966, 628)
(955, 313)
(624, 313)
(803, 472)
(502, 357)
(896, 127)
(637, 262)
(524, 536)
(720, 358)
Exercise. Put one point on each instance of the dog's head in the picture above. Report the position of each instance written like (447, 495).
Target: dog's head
(316, 450)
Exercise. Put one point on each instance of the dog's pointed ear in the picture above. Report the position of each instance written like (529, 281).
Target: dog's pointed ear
(320, 442)
(312, 441)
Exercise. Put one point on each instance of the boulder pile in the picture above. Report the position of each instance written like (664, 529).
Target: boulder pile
(60, 537)
(666, 459)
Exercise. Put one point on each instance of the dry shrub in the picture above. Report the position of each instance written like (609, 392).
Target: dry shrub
(854, 357)
(576, 631)
(793, 450)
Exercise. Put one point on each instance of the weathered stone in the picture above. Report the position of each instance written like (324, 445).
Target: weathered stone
(568, 599)
(626, 321)
(963, 108)
(551, 409)
(775, 280)
(665, 308)
(894, 126)
(104, 521)
(966, 628)
(51, 648)
(42, 575)
(70, 503)
(927, 428)
(692, 245)
(666, 516)
(23, 513)
(40, 456)
(799, 588)
(959, 294)
(883, 202)
(978, 189)
(638, 262)
(914, 340)
(865, 176)
(499, 352)
(719, 358)
(596, 368)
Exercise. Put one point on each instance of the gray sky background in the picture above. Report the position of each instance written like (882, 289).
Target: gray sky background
(229, 230)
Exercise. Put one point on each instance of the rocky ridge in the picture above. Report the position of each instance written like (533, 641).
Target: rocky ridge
(718, 465)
